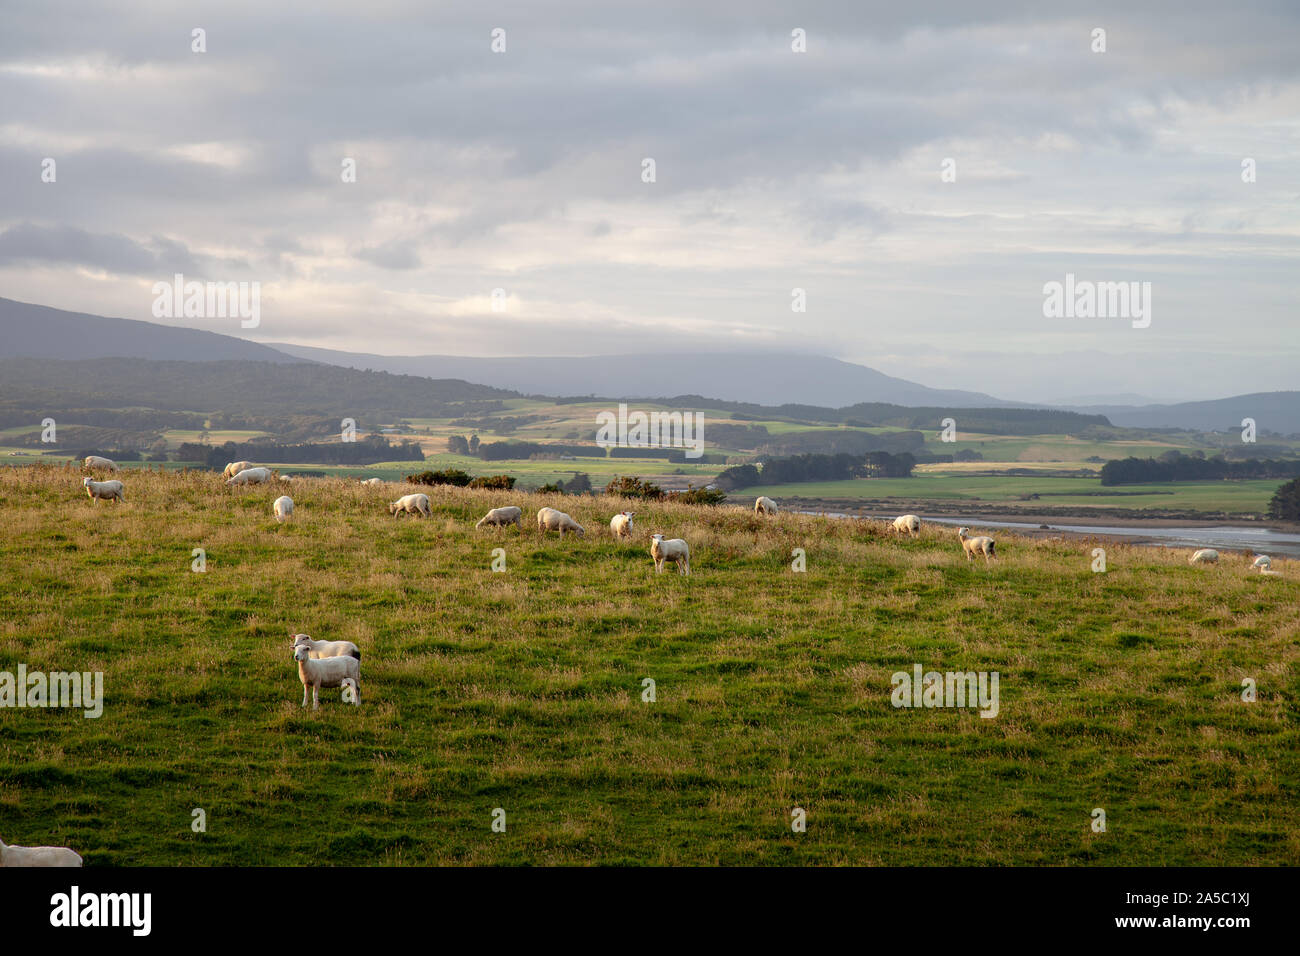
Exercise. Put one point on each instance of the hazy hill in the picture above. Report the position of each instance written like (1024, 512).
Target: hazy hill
(1273, 411)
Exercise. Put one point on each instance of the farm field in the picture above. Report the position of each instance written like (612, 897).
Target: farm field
(523, 690)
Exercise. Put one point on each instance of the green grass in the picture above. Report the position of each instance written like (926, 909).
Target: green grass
(522, 690)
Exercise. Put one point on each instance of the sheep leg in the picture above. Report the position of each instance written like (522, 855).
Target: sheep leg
(315, 696)
(304, 694)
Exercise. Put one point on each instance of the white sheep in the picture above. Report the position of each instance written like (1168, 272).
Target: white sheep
(250, 476)
(37, 856)
(99, 461)
(620, 526)
(1263, 562)
(673, 549)
(282, 508)
(548, 519)
(500, 517)
(1204, 556)
(974, 546)
(321, 649)
(415, 504)
(108, 490)
(235, 467)
(909, 524)
(371, 482)
(326, 672)
(764, 506)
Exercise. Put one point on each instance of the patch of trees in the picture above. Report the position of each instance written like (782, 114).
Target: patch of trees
(801, 468)
(363, 451)
(501, 450)
(842, 442)
(1175, 466)
(631, 487)
(1285, 505)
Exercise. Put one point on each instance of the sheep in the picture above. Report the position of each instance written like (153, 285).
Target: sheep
(910, 524)
(973, 546)
(250, 476)
(548, 519)
(371, 482)
(103, 489)
(37, 856)
(500, 517)
(325, 648)
(1263, 562)
(1204, 556)
(674, 549)
(235, 467)
(99, 461)
(326, 672)
(620, 526)
(415, 504)
(282, 508)
(764, 506)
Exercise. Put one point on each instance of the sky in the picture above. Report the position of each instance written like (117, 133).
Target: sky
(826, 170)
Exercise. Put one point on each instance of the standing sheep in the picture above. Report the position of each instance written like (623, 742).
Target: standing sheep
(974, 546)
(371, 482)
(764, 506)
(250, 476)
(620, 526)
(99, 461)
(909, 524)
(325, 648)
(108, 490)
(1263, 563)
(548, 519)
(500, 517)
(37, 856)
(235, 467)
(326, 672)
(673, 549)
(282, 508)
(1204, 556)
(415, 504)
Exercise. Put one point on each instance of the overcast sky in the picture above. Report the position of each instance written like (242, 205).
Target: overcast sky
(522, 170)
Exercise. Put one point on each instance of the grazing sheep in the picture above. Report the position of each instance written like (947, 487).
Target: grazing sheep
(1204, 556)
(620, 526)
(99, 461)
(37, 856)
(764, 506)
(1263, 562)
(321, 649)
(910, 524)
(235, 467)
(674, 549)
(501, 517)
(111, 490)
(371, 482)
(548, 519)
(250, 476)
(282, 508)
(325, 672)
(415, 504)
(974, 546)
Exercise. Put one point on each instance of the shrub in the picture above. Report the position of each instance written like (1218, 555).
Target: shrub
(698, 496)
(554, 489)
(631, 487)
(494, 482)
(1285, 505)
(451, 476)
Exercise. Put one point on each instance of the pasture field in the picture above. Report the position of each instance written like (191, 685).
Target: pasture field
(523, 690)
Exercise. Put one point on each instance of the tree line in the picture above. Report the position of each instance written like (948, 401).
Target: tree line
(1175, 466)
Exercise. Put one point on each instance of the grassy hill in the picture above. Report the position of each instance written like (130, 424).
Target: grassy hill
(523, 690)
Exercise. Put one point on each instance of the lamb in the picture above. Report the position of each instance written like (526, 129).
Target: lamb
(620, 526)
(282, 508)
(1263, 562)
(764, 506)
(235, 467)
(326, 672)
(910, 524)
(674, 549)
(415, 504)
(250, 476)
(37, 856)
(321, 649)
(371, 482)
(548, 519)
(974, 546)
(1204, 556)
(501, 517)
(99, 461)
(110, 490)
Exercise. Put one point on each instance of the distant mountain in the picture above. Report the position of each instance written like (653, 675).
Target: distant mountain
(1272, 411)
(37, 331)
(762, 378)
